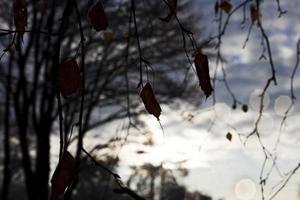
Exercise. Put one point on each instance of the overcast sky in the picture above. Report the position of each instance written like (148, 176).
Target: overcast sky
(229, 169)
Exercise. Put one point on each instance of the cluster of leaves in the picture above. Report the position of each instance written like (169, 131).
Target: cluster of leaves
(200, 63)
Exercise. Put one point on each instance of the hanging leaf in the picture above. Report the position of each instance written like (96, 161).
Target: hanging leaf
(98, 17)
(69, 78)
(20, 15)
(254, 13)
(172, 5)
(226, 6)
(216, 7)
(62, 176)
(150, 101)
(202, 69)
(245, 107)
(229, 136)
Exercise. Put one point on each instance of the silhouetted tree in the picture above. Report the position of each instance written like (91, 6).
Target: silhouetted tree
(38, 36)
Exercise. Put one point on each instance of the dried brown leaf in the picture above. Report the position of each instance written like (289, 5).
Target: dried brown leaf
(245, 108)
(98, 17)
(202, 69)
(20, 14)
(216, 7)
(229, 136)
(150, 102)
(226, 6)
(172, 5)
(69, 78)
(140, 152)
(63, 175)
(254, 13)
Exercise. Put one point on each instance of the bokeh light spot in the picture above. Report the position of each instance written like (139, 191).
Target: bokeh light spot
(245, 189)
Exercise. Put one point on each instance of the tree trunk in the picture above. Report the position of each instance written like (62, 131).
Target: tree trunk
(42, 162)
(6, 171)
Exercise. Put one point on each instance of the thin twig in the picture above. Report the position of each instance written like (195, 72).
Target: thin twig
(123, 189)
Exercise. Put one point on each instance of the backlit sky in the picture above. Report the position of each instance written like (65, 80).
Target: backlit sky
(218, 167)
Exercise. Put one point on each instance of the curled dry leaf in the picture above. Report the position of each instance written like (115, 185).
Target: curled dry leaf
(229, 136)
(98, 17)
(63, 175)
(69, 78)
(150, 102)
(226, 6)
(202, 69)
(20, 14)
(254, 13)
(172, 4)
